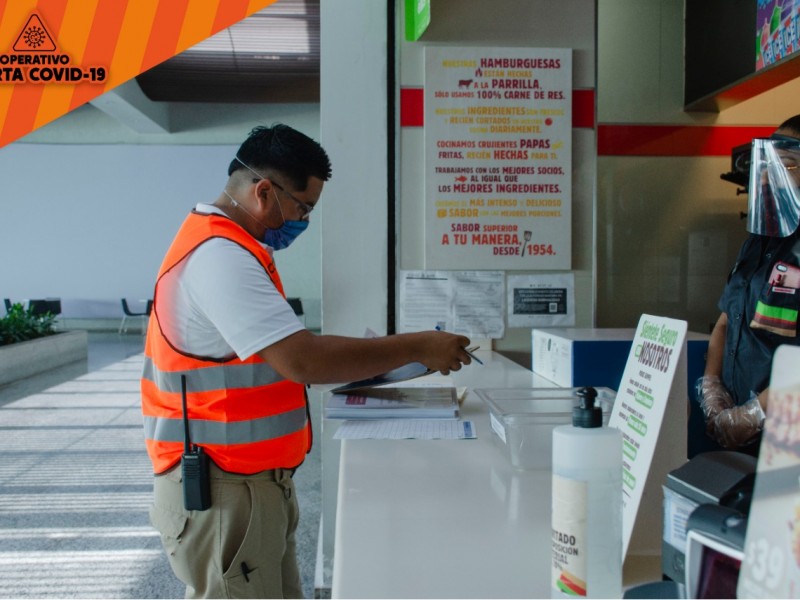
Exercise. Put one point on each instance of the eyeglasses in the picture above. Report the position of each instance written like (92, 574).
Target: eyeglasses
(305, 208)
(789, 162)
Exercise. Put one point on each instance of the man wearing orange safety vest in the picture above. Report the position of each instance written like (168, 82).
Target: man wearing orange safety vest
(223, 340)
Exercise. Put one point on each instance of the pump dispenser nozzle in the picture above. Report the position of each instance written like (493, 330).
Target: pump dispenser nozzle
(587, 414)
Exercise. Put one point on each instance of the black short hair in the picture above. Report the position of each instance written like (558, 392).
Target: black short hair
(286, 150)
(792, 124)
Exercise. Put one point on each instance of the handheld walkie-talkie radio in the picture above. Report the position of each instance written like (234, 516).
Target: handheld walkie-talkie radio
(194, 466)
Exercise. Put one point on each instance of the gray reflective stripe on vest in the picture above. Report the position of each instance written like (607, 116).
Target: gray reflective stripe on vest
(218, 377)
(162, 429)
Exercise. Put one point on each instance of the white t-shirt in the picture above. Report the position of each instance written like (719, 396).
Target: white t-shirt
(220, 301)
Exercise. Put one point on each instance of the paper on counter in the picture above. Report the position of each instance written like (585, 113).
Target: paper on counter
(404, 429)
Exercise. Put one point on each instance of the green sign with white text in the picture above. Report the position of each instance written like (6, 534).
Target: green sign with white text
(418, 16)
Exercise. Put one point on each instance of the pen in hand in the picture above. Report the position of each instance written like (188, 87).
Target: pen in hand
(469, 351)
(472, 356)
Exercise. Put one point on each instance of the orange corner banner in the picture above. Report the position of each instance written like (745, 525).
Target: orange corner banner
(56, 55)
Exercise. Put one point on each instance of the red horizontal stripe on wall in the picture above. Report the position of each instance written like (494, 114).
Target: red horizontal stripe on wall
(674, 140)
(412, 107)
(583, 108)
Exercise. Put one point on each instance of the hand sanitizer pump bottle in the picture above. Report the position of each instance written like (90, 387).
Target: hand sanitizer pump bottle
(587, 505)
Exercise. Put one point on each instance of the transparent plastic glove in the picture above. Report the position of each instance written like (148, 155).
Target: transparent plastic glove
(734, 426)
(713, 396)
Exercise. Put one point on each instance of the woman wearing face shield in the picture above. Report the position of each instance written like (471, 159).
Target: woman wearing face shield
(760, 303)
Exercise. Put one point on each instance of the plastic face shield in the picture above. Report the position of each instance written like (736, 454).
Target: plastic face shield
(774, 191)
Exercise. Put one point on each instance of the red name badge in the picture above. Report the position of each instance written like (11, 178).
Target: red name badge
(785, 276)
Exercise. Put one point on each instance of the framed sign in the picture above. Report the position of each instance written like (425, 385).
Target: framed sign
(498, 150)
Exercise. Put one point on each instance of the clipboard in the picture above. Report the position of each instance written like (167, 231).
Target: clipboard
(404, 373)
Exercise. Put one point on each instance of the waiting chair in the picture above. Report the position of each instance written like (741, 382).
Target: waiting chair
(46, 306)
(127, 312)
(297, 307)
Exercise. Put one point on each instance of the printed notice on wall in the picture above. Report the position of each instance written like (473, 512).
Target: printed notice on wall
(498, 158)
(541, 300)
(771, 568)
(464, 302)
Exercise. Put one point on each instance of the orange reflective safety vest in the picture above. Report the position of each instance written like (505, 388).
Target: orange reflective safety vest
(243, 413)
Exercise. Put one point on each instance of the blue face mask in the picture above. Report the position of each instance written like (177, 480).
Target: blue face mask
(281, 238)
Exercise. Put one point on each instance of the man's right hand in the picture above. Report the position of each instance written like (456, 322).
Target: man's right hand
(442, 351)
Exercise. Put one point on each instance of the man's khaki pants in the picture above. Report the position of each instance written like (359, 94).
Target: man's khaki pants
(243, 546)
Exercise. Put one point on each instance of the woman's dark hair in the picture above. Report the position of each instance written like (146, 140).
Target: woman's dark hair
(793, 125)
(286, 150)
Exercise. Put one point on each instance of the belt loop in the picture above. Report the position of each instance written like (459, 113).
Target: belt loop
(283, 477)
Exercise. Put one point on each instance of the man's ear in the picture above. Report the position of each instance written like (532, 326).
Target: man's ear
(264, 193)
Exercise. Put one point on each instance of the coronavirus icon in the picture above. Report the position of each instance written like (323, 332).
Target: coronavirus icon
(35, 36)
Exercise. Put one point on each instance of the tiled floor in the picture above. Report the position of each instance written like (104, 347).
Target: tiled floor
(75, 485)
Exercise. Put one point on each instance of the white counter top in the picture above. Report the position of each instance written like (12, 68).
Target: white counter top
(443, 518)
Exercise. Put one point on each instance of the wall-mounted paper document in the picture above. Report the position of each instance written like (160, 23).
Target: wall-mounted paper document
(541, 300)
(469, 303)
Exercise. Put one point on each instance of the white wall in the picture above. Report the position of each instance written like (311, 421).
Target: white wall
(353, 130)
(89, 207)
(94, 221)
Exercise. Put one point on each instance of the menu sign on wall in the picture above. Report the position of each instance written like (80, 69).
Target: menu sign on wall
(498, 158)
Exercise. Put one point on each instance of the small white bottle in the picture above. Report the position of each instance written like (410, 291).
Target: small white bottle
(587, 505)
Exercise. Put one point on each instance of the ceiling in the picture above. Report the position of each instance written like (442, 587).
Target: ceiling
(271, 56)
